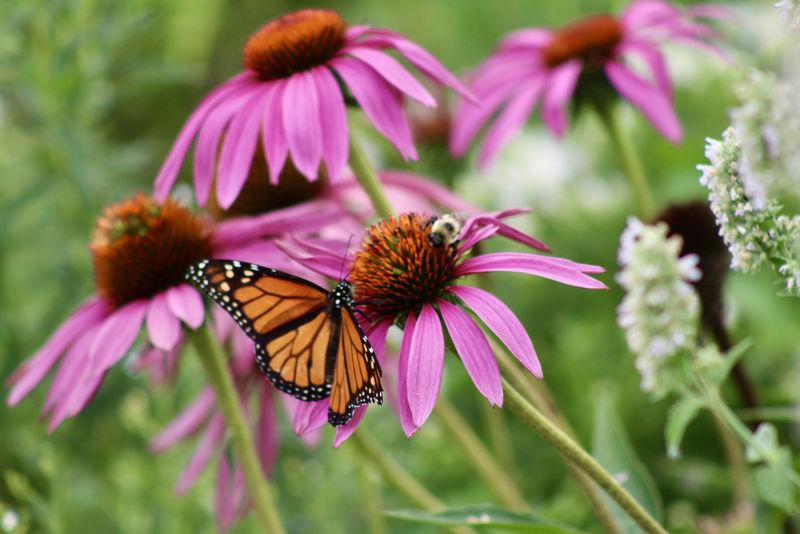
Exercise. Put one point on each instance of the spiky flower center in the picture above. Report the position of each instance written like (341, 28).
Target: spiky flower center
(140, 247)
(293, 43)
(397, 268)
(590, 39)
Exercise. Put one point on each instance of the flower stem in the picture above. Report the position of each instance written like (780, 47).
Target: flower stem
(631, 164)
(483, 462)
(583, 460)
(368, 178)
(218, 374)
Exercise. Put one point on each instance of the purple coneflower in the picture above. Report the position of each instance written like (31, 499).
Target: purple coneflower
(141, 249)
(400, 277)
(290, 97)
(538, 64)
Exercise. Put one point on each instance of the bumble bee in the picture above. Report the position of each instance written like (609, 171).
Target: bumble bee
(445, 229)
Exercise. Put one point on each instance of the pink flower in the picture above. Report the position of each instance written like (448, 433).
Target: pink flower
(538, 64)
(400, 275)
(141, 250)
(290, 98)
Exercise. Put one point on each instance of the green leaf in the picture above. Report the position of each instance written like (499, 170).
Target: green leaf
(612, 448)
(773, 484)
(680, 415)
(485, 515)
(767, 439)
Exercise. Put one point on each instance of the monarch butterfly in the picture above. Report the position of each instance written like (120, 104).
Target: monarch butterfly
(308, 341)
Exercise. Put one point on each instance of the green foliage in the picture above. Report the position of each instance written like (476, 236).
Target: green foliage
(485, 516)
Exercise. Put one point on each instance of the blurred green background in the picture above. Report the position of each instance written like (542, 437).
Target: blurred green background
(92, 93)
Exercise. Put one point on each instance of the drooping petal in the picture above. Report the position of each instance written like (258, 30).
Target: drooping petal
(301, 122)
(333, 119)
(171, 166)
(474, 351)
(31, 372)
(202, 453)
(653, 58)
(534, 264)
(309, 416)
(346, 430)
(502, 321)
(70, 372)
(163, 325)
(236, 156)
(116, 336)
(186, 303)
(643, 13)
(273, 136)
(267, 431)
(650, 101)
(393, 72)
(406, 419)
(504, 230)
(530, 39)
(427, 188)
(559, 90)
(425, 365)
(186, 422)
(379, 101)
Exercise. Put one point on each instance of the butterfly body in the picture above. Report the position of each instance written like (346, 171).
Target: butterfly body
(307, 340)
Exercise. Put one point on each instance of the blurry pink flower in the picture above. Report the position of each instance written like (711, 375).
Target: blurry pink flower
(290, 99)
(544, 65)
(141, 250)
(400, 275)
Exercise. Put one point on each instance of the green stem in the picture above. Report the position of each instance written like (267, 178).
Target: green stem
(398, 477)
(583, 460)
(218, 375)
(483, 462)
(499, 438)
(737, 468)
(631, 164)
(368, 178)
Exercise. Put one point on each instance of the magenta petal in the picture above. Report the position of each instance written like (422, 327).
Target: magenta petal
(474, 351)
(406, 419)
(333, 117)
(427, 188)
(310, 416)
(529, 38)
(169, 170)
(116, 336)
(163, 325)
(654, 60)
(393, 72)
(185, 422)
(379, 101)
(553, 268)
(650, 101)
(301, 122)
(559, 90)
(502, 321)
(273, 136)
(345, 431)
(187, 304)
(425, 365)
(267, 431)
(213, 434)
(28, 375)
(236, 156)
(507, 231)
(71, 373)
(224, 508)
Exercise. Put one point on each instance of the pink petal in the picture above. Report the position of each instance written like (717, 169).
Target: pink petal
(186, 422)
(474, 351)
(653, 58)
(379, 101)
(559, 90)
(403, 401)
(642, 13)
(208, 442)
(71, 371)
(163, 325)
(31, 372)
(206, 148)
(301, 122)
(427, 188)
(309, 416)
(333, 118)
(425, 365)
(238, 148)
(267, 431)
(393, 72)
(186, 303)
(502, 321)
(529, 38)
(169, 170)
(510, 121)
(273, 136)
(346, 430)
(503, 229)
(650, 101)
(535, 264)
(116, 336)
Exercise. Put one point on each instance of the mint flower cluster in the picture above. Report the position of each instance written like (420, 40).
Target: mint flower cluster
(659, 312)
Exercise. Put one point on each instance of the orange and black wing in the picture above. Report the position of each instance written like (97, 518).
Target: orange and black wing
(285, 315)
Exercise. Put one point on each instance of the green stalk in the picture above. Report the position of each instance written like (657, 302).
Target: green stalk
(628, 158)
(499, 438)
(482, 461)
(218, 375)
(368, 178)
(583, 460)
